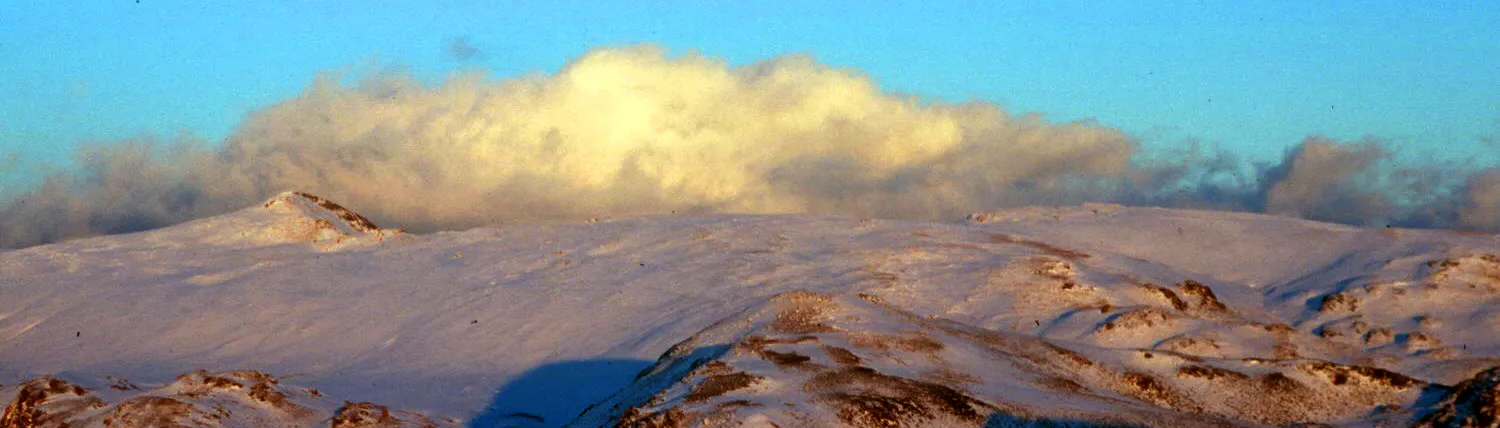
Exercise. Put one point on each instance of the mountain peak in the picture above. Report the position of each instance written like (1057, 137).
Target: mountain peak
(302, 217)
(316, 207)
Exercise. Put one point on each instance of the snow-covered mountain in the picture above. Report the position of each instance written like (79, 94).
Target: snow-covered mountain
(1093, 314)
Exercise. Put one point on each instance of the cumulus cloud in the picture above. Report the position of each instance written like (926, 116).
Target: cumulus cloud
(634, 131)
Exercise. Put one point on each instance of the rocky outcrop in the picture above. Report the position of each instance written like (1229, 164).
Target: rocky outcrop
(1472, 403)
(196, 399)
(369, 415)
(809, 359)
(300, 201)
(302, 217)
(47, 402)
(1475, 271)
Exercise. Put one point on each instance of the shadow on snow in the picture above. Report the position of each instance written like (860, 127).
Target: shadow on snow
(553, 394)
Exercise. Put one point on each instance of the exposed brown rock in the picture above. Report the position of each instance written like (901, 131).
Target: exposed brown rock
(841, 356)
(802, 316)
(1484, 262)
(1056, 270)
(1475, 402)
(1276, 382)
(1340, 374)
(199, 383)
(789, 360)
(866, 398)
(1148, 388)
(1278, 328)
(758, 345)
(1360, 327)
(916, 342)
(1189, 346)
(1204, 294)
(121, 384)
(47, 402)
(264, 393)
(1338, 302)
(1328, 332)
(359, 222)
(1136, 318)
(759, 342)
(715, 386)
(1208, 372)
(1379, 336)
(151, 411)
(1417, 341)
(1171, 297)
(363, 415)
(735, 404)
(712, 368)
(194, 399)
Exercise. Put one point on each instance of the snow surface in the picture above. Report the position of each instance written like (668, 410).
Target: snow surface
(527, 325)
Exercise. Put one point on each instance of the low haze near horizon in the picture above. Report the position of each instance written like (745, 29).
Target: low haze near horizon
(1247, 82)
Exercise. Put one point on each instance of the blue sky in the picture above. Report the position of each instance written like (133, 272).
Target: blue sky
(1251, 77)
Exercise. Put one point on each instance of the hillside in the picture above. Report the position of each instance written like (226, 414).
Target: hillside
(1087, 314)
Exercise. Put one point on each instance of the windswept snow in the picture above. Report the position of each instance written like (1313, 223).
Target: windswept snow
(1087, 314)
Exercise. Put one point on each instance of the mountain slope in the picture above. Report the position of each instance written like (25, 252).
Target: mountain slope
(831, 360)
(459, 324)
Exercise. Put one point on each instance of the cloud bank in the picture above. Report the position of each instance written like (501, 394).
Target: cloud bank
(628, 131)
